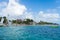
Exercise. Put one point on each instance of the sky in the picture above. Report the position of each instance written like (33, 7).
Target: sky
(38, 10)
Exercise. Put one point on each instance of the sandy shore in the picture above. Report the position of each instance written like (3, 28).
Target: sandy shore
(32, 25)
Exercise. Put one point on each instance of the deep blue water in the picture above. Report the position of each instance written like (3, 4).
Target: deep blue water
(29, 33)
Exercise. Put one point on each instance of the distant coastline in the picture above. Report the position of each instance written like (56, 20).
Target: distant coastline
(25, 22)
(32, 25)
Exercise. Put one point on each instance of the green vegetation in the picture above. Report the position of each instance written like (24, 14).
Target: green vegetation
(5, 20)
(30, 22)
(13, 21)
(26, 21)
(48, 23)
(1, 25)
(16, 21)
(0, 19)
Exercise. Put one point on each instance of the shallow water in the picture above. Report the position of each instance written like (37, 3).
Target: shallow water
(29, 33)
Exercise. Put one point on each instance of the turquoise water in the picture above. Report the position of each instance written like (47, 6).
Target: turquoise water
(29, 33)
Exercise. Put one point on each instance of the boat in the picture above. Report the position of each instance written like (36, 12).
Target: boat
(1, 23)
(54, 26)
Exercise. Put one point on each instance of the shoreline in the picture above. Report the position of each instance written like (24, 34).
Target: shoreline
(15, 25)
(32, 25)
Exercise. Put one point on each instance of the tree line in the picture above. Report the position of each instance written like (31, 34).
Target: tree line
(25, 21)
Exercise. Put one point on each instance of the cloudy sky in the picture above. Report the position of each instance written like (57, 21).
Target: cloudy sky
(45, 10)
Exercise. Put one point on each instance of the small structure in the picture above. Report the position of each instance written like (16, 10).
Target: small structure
(1, 22)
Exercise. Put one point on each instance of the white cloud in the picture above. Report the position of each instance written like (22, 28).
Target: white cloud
(29, 15)
(41, 12)
(50, 17)
(52, 10)
(57, 1)
(2, 5)
(58, 7)
(14, 8)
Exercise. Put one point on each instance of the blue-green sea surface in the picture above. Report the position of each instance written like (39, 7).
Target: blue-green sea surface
(29, 33)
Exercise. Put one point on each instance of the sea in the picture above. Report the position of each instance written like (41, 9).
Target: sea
(29, 33)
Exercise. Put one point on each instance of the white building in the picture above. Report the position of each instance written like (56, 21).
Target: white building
(1, 22)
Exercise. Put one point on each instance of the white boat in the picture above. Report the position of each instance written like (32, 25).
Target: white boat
(1, 23)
